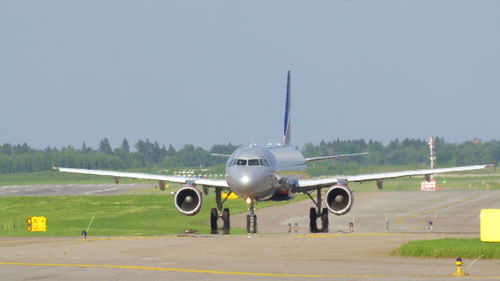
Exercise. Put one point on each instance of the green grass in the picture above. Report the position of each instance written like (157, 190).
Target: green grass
(122, 215)
(450, 248)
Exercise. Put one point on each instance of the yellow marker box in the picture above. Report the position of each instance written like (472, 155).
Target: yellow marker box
(230, 196)
(36, 224)
(490, 225)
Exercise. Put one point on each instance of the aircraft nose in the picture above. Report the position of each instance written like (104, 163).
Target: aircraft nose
(247, 183)
(245, 180)
(242, 179)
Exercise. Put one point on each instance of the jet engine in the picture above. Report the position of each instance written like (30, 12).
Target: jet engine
(339, 199)
(188, 200)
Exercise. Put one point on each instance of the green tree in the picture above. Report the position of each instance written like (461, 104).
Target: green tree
(105, 147)
(125, 147)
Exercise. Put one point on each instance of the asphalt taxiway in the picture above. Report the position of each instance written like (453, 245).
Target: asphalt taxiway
(364, 254)
(71, 189)
(261, 257)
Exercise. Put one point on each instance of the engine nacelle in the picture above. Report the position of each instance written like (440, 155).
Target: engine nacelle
(188, 200)
(339, 199)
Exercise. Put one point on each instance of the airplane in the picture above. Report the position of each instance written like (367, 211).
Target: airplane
(273, 172)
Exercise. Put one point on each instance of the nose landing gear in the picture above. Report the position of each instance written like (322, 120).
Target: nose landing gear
(251, 218)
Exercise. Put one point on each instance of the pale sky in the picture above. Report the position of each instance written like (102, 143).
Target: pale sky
(213, 72)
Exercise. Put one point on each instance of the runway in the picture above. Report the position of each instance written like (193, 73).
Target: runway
(274, 254)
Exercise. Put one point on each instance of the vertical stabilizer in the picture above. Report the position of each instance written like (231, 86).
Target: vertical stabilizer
(286, 129)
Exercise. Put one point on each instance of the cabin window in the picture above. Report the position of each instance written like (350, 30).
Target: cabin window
(253, 162)
(241, 162)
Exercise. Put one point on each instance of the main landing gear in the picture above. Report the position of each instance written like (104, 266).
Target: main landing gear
(219, 213)
(317, 212)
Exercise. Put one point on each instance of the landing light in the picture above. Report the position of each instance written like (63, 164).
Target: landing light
(248, 201)
(245, 179)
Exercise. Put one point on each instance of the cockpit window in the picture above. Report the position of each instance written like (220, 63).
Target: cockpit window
(250, 162)
(264, 162)
(253, 162)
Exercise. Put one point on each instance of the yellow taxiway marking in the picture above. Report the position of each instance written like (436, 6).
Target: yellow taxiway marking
(190, 270)
(99, 239)
(350, 234)
(135, 238)
(29, 241)
(217, 272)
(16, 241)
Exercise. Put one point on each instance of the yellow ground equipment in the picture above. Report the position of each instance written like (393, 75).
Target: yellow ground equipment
(36, 224)
(230, 196)
(490, 225)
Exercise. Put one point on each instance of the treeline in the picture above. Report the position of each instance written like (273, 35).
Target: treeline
(22, 158)
(409, 151)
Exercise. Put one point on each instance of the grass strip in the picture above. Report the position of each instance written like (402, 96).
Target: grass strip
(119, 215)
(450, 248)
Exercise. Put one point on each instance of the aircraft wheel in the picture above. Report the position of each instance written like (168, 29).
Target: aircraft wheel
(324, 220)
(313, 216)
(248, 223)
(251, 228)
(213, 221)
(225, 219)
(255, 224)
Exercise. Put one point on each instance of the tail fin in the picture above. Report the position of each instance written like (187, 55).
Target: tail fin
(286, 130)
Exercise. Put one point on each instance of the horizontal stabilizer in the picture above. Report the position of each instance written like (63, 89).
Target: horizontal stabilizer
(220, 155)
(335, 157)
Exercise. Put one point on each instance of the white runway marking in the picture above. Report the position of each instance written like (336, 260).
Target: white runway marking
(99, 191)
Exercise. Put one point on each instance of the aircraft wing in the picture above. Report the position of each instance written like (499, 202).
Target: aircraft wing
(308, 184)
(166, 178)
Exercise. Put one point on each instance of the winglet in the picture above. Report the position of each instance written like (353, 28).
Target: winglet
(286, 129)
